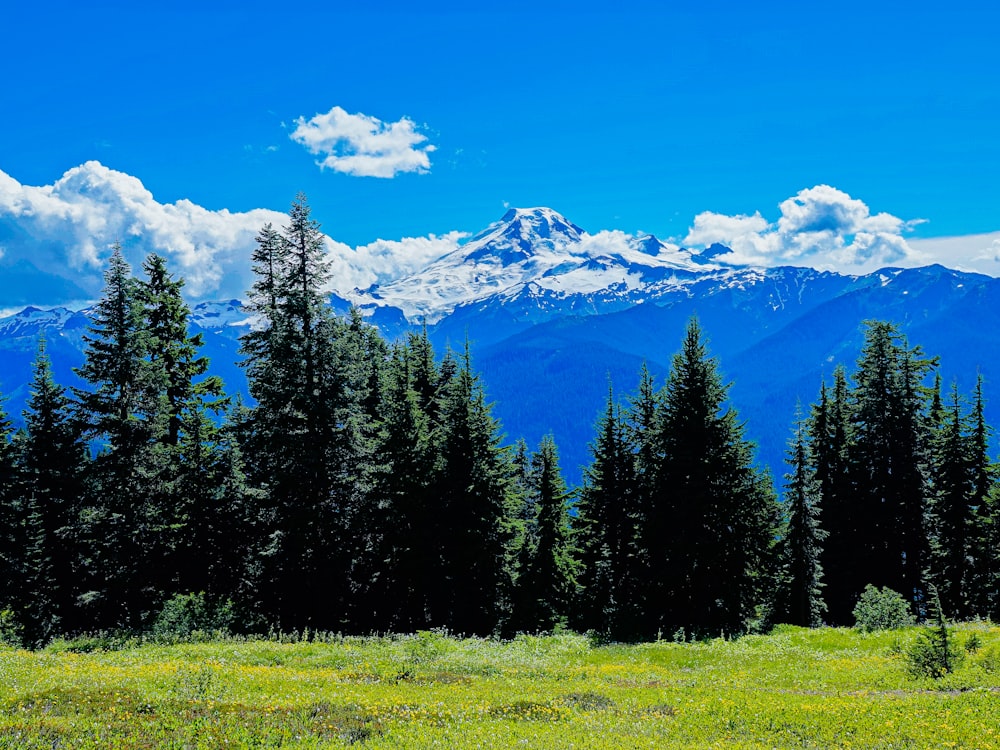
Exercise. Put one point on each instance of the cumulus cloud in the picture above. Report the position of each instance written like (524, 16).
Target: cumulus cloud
(383, 261)
(821, 227)
(66, 230)
(363, 146)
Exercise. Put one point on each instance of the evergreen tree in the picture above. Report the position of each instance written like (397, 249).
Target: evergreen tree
(477, 510)
(11, 520)
(609, 520)
(888, 463)
(984, 541)
(52, 458)
(547, 580)
(123, 412)
(951, 510)
(800, 600)
(311, 443)
(713, 515)
(829, 435)
(407, 515)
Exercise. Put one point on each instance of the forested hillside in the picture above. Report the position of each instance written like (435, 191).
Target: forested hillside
(367, 487)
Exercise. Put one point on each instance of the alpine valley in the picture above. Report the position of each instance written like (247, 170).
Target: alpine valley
(555, 317)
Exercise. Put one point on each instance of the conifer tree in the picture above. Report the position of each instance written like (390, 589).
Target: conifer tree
(800, 600)
(713, 515)
(52, 458)
(888, 463)
(951, 510)
(547, 581)
(311, 442)
(829, 435)
(984, 531)
(477, 510)
(11, 520)
(123, 412)
(609, 521)
(407, 515)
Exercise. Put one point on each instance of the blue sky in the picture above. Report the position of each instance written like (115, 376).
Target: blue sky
(639, 119)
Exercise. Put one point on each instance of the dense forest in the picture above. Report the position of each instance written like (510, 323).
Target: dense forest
(368, 488)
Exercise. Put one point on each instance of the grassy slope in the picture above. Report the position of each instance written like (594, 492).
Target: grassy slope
(795, 688)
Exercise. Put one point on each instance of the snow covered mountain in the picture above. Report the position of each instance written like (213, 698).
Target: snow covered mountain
(539, 253)
(553, 313)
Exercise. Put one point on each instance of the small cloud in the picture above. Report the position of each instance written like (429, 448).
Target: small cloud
(271, 149)
(364, 146)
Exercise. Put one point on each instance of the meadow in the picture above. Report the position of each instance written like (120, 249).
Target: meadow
(794, 688)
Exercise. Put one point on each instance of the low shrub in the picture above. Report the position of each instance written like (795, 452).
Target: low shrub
(881, 609)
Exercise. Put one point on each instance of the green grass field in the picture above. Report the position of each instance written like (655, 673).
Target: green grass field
(792, 689)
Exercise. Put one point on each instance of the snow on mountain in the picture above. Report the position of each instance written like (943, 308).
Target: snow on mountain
(31, 321)
(539, 252)
(216, 316)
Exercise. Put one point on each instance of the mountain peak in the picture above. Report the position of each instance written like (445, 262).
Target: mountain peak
(529, 225)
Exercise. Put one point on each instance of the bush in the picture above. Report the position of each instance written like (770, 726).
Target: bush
(184, 615)
(936, 652)
(10, 629)
(883, 609)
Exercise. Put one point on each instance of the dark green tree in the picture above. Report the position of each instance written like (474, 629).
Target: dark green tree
(800, 600)
(12, 539)
(478, 510)
(888, 463)
(609, 520)
(829, 435)
(311, 442)
(546, 583)
(53, 466)
(713, 516)
(984, 541)
(951, 509)
(123, 412)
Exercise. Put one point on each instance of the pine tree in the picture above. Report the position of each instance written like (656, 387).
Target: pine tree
(311, 444)
(406, 518)
(800, 600)
(477, 509)
(829, 436)
(124, 414)
(888, 463)
(951, 510)
(984, 541)
(12, 540)
(713, 516)
(53, 461)
(547, 581)
(609, 520)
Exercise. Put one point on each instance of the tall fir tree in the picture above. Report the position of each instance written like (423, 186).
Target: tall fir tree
(546, 584)
(799, 596)
(829, 436)
(609, 521)
(53, 461)
(713, 516)
(123, 412)
(311, 441)
(12, 541)
(888, 464)
(477, 507)
(984, 539)
(951, 510)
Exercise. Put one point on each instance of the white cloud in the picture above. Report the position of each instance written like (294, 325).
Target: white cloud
(383, 261)
(979, 253)
(66, 230)
(364, 146)
(821, 227)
